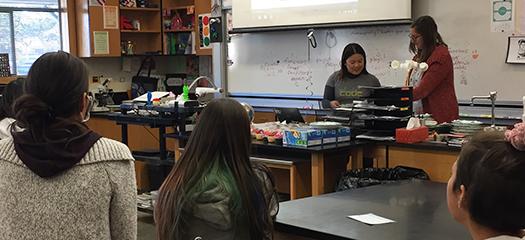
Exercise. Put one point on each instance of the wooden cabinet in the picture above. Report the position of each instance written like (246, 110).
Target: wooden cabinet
(183, 10)
(147, 29)
(142, 29)
(90, 19)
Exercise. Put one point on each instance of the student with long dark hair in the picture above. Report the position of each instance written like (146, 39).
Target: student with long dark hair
(11, 92)
(214, 191)
(59, 179)
(342, 86)
(434, 90)
(485, 192)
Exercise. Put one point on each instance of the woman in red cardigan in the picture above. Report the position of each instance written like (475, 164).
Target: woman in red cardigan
(434, 91)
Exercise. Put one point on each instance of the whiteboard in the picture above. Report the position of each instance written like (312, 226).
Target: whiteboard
(269, 13)
(478, 54)
(276, 63)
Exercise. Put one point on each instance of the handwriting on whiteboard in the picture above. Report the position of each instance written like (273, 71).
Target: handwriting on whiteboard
(463, 58)
(297, 71)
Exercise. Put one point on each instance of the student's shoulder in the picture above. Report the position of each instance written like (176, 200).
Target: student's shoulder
(332, 78)
(440, 54)
(107, 150)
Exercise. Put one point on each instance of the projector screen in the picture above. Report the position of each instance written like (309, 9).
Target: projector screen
(278, 13)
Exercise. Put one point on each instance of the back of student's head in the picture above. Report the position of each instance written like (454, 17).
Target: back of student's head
(53, 93)
(221, 137)
(492, 171)
(11, 92)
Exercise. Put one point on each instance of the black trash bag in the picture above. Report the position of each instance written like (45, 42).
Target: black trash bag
(365, 177)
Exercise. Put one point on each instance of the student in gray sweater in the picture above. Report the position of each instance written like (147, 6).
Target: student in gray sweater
(59, 179)
(342, 86)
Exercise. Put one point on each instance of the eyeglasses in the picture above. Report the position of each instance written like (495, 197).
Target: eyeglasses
(413, 37)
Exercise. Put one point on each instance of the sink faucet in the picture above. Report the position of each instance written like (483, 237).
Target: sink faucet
(492, 97)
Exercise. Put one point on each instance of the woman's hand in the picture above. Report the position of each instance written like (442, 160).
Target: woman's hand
(335, 104)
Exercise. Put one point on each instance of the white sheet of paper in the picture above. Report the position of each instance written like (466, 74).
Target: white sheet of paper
(371, 219)
(157, 94)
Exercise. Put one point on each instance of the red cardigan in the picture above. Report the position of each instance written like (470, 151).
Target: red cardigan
(436, 87)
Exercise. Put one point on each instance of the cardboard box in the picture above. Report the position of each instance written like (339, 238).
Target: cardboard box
(329, 135)
(303, 137)
(415, 135)
(344, 134)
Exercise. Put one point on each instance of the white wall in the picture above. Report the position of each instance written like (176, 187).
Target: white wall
(121, 70)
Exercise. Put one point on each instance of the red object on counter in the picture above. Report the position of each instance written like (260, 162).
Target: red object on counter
(415, 135)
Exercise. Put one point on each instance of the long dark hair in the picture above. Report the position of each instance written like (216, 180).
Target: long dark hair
(53, 94)
(11, 92)
(348, 51)
(427, 27)
(491, 170)
(221, 137)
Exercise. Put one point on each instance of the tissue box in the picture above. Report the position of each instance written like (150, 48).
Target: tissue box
(329, 135)
(415, 135)
(343, 134)
(303, 137)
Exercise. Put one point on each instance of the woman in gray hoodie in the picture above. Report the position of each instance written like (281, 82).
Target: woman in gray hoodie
(59, 179)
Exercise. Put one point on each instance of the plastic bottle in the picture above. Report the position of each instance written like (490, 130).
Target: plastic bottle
(149, 96)
(185, 92)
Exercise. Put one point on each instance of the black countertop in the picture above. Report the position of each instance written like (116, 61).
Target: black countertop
(424, 146)
(319, 148)
(419, 209)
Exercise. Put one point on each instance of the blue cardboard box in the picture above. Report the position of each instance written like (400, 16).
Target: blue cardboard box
(329, 135)
(303, 137)
(343, 134)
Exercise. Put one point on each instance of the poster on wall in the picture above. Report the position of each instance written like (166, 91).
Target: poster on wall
(516, 49)
(502, 17)
(100, 42)
(204, 31)
(110, 15)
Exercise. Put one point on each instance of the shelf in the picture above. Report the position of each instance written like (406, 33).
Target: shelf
(180, 30)
(141, 31)
(140, 9)
(181, 7)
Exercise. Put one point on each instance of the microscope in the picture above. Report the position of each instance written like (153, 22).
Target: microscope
(103, 97)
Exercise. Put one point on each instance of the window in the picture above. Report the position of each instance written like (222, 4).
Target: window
(28, 29)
